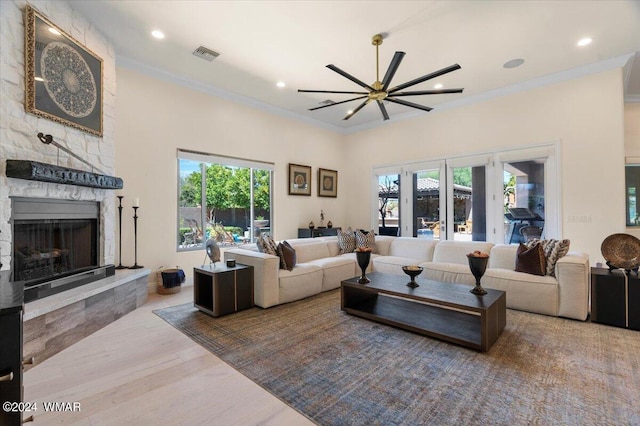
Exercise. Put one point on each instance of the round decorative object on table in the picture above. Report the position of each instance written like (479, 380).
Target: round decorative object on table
(413, 271)
(329, 224)
(478, 265)
(363, 258)
(621, 251)
(312, 225)
(213, 251)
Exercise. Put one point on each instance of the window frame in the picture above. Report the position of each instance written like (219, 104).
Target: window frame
(227, 161)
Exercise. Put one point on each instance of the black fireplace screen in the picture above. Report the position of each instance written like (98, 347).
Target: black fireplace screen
(50, 249)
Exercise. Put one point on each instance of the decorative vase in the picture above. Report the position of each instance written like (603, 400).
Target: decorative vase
(363, 261)
(413, 272)
(329, 224)
(478, 266)
(311, 225)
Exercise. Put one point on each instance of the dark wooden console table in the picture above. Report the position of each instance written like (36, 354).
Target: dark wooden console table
(317, 232)
(220, 290)
(442, 310)
(615, 298)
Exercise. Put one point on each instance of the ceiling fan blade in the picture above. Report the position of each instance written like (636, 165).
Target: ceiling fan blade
(391, 71)
(350, 77)
(337, 103)
(426, 77)
(409, 104)
(332, 91)
(356, 110)
(383, 110)
(427, 92)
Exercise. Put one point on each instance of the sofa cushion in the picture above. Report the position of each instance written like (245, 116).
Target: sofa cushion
(354, 259)
(448, 273)
(334, 270)
(311, 251)
(531, 260)
(266, 245)
(346, 241)
(393, 264)
(367, 240)
(302, 281)
(287, 256)
(414, 248)
(456, 251)
(526, 292)
(553, 250)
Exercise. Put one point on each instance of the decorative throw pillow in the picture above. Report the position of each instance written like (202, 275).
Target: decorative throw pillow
(531, 260)
(346, 241)
(367, 239)
(287, 256)
(266, 245)
(553, 250)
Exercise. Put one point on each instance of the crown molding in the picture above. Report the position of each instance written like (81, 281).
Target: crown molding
(571, 74)
(134, 65)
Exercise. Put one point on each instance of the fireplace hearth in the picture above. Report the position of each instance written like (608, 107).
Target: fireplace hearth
(55, 245)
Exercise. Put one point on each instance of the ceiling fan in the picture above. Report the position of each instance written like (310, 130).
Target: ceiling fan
(379, 91)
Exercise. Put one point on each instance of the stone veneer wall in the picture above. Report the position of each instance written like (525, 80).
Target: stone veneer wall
(18, 129)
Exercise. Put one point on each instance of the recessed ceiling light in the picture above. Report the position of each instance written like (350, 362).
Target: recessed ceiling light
(157, 34)
(584, 42)
(350, 112)
(513, 63)
(438, 86)
(38, 78)
(280, 84)
(54, 31)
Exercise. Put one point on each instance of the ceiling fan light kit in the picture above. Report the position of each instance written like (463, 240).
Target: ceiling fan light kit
(379, 91)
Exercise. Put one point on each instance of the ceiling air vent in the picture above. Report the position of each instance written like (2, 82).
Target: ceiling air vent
(204, 53)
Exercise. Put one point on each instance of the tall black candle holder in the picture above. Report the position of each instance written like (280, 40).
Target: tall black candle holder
(135, 239)
(120, 266)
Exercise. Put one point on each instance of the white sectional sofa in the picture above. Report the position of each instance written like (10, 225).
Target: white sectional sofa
(320, 268)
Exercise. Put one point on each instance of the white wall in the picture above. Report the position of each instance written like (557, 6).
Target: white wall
(155, 118)
(585, 115)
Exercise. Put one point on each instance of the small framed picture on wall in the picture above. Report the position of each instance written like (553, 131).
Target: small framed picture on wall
(299, 180)
(327, 183)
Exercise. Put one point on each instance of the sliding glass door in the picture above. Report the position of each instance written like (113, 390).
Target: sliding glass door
(504, 197)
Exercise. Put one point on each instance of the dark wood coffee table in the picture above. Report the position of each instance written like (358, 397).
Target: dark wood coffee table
(442, 310)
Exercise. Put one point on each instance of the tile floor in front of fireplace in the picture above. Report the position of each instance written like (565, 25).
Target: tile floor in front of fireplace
(140, 370)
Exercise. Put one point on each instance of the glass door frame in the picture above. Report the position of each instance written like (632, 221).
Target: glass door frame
(494, 166)
(407, 180)
(552, 186)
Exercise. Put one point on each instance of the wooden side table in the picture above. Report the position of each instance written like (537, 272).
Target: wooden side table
(220, 290)
(615, 298)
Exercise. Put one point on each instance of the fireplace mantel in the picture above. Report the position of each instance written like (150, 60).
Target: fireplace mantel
(33, 170)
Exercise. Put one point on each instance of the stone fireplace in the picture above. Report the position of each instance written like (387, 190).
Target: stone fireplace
(55, 245)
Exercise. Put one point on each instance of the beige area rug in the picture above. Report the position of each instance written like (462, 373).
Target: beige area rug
(342, 370)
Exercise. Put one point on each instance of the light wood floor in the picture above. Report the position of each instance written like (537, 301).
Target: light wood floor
(139, 370)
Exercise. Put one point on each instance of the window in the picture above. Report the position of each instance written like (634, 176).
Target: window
(224, 198)
(632, 184)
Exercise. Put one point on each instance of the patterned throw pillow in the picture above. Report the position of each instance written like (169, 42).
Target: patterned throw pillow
(553, 250)
(346, 241)
(531, 260)
(287, 256)
(366, 240)
(266, 245)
